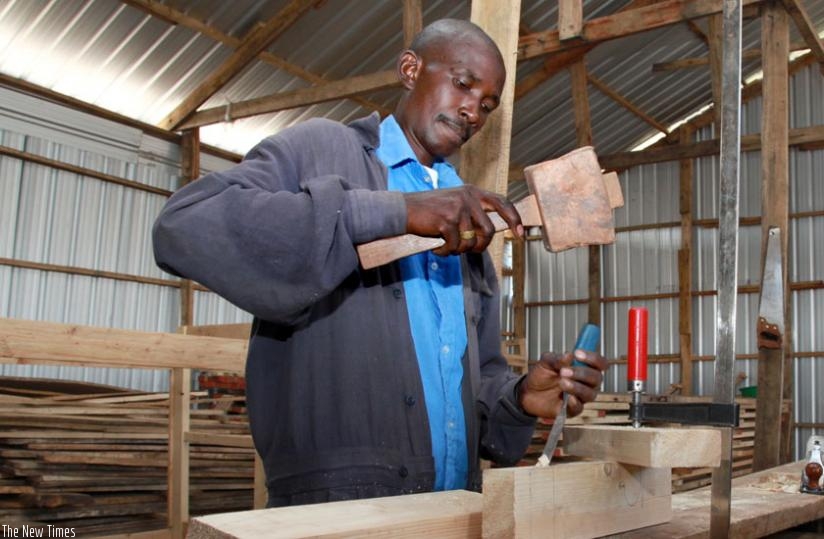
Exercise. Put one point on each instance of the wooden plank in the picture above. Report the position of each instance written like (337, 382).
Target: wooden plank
(647, 446)
(81, 171)
(451, 514)
(570, 19)
(485, 158)
(622, 24)
(763, 503)
(260, 37)
(154, 534)
(321, 93)
(225, 331)
(33, 342)
(775, 206)
(76, 270)
(100, 112)
(228, 440)
(569, 500)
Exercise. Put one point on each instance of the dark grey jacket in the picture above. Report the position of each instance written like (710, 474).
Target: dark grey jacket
(334, 393)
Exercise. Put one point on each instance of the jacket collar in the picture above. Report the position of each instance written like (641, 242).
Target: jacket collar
(368, 130)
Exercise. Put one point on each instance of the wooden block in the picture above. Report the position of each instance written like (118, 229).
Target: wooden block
(613, 187)
(569, 500)
(647, 446)
(454, 513)
(573, 200)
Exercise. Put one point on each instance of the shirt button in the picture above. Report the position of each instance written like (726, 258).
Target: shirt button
(451, 424)
(410, 400)
(403, 472)
(434, 266)
(397, 293)
(445, 349)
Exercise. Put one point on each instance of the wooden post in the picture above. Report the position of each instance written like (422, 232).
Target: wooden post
(178, 492)
(190, 171)
(775, 44)
(583, 130)
(715, 44)
(412, 20)
(570, 19)
(685, 265)
(485, 158)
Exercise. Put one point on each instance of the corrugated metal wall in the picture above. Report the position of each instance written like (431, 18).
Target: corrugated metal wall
(645, 262)
(57, 217)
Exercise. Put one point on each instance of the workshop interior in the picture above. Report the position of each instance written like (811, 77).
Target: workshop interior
(690, 131)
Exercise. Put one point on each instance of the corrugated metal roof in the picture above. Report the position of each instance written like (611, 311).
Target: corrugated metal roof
(116, 56)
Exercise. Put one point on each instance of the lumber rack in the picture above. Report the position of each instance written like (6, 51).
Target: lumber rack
(46, 343)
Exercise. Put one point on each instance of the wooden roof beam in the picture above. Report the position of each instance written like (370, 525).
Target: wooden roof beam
(624, 102)
(799, 136)
(260, 37)
(805, 27)
(700, 61)
(173, 16)
(622, 24)
(321, 93)
(555, 63)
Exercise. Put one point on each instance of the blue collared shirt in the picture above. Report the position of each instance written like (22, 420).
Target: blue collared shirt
(434, 296)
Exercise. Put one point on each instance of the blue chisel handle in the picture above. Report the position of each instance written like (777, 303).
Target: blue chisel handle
(588, 339)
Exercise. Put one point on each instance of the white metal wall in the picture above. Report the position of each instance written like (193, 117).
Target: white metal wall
(645, 262)
(57, 217)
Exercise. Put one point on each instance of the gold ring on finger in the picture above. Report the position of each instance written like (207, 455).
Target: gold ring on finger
(467, 234)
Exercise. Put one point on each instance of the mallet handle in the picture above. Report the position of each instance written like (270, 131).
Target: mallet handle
(385, 250)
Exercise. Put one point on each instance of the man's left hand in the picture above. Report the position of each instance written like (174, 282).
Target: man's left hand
(542, 390)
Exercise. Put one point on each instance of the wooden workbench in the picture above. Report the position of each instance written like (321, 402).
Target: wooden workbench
(762, 503)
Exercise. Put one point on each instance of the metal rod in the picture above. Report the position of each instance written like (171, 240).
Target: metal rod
(728, 255)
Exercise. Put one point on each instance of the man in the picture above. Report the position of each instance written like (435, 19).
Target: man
(387, 381)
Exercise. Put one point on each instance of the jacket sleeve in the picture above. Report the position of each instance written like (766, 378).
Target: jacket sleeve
(269, 236)
(506, 430)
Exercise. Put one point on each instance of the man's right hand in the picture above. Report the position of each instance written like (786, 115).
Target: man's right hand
(458, 215)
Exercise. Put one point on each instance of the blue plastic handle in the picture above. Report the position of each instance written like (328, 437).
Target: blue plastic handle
(588, 339)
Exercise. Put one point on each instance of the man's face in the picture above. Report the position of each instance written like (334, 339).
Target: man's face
(455, 90)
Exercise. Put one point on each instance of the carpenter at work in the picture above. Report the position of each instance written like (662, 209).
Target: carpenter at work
(365, 383)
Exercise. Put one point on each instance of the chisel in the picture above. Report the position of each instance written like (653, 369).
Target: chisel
(588, 340)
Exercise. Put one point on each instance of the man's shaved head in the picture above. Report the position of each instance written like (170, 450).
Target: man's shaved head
(444, 32)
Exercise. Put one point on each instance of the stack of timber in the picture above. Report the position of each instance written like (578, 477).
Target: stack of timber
(95, 458)
(613, 409)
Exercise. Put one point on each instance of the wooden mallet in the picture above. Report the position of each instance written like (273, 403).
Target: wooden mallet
(570, 198)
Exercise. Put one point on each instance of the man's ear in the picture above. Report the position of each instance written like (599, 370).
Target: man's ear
(409, 66)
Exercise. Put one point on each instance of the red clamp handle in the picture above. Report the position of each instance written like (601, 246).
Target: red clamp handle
(637, 344)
